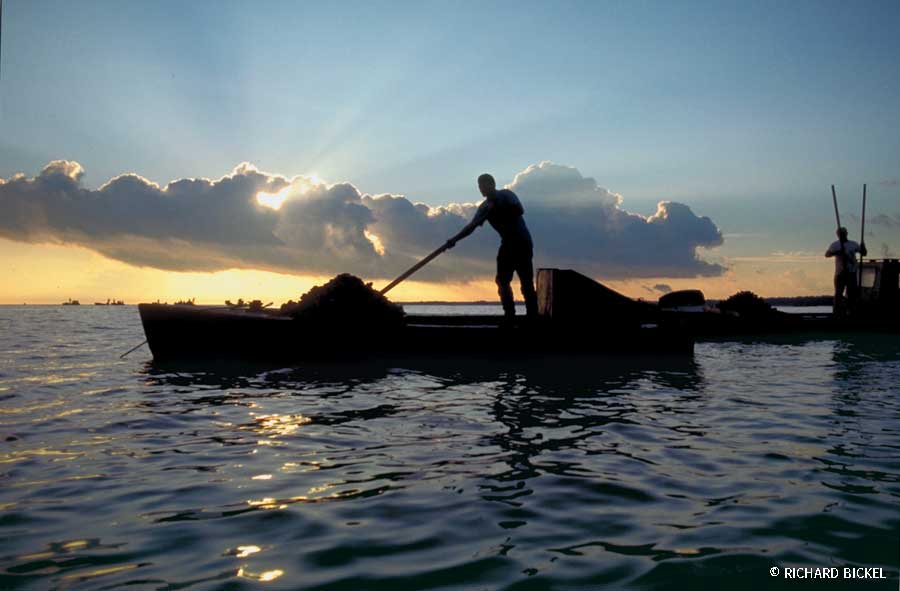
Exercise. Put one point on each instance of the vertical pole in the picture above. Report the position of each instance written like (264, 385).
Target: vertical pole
(1, 39)
(862, 234)
(1, 60)
(837, 215)
(862, 228)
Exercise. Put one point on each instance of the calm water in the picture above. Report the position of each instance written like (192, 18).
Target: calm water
(617, 473)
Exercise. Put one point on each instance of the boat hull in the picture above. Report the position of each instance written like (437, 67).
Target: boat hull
(195, 332)
(704, 325)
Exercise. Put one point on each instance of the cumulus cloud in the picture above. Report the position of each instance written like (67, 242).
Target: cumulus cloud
(588, 229)
(209, 225)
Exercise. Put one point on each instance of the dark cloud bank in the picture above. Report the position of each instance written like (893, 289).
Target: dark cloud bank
(210, 225)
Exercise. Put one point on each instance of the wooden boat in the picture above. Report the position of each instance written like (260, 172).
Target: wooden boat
(201, 332)
(577, 316)
(718, 326)
(877, 311)
(609, 323)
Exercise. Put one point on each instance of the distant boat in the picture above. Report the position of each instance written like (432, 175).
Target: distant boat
(110, 303)
(71, 302)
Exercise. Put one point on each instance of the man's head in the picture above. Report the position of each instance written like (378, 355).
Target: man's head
(487, 185)
(842, 233)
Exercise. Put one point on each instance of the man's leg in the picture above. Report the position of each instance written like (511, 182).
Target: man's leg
(838, 294)
(525, 270)
(505, 269)
(852, 289)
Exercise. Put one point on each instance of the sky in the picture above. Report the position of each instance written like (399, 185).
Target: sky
(655, 145)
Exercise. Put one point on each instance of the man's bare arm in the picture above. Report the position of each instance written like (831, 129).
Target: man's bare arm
(480, 217)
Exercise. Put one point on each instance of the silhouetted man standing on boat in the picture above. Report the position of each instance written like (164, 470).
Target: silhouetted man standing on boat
(844, 252)
(503, 210)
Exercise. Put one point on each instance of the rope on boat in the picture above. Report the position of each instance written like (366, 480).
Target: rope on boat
(122, 356)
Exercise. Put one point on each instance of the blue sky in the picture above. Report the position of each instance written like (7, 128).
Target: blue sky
(746, 112)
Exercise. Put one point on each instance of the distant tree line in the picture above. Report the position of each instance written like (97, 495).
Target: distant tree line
(821, 300)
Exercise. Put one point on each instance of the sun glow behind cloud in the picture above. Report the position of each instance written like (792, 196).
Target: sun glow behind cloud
(376, 241)
(273, 200)
(298, 186)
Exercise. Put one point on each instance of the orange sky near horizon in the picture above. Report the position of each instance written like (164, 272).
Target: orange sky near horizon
(53, 273)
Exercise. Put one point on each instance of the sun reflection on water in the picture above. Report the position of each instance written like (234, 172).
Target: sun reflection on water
(276, 425)
(245, 551)
(269, 575)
